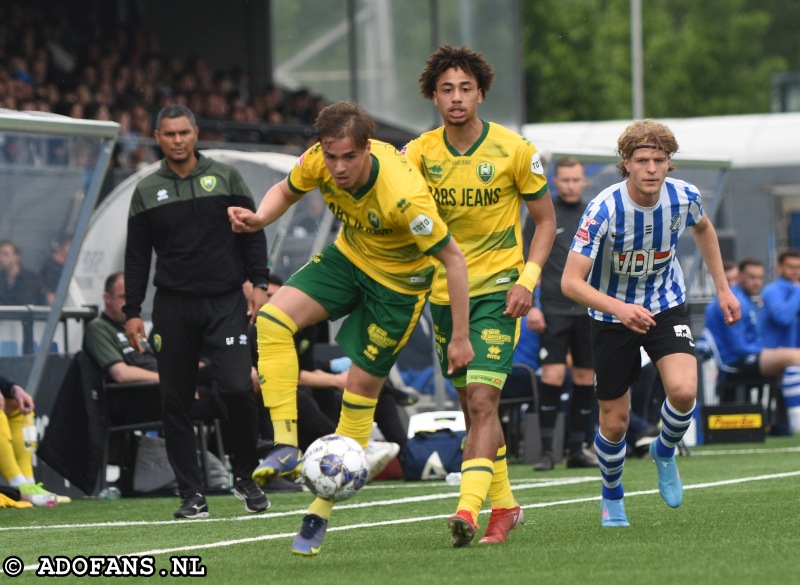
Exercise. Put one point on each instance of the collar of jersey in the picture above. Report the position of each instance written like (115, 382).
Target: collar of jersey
(472, 148)
(373, 176)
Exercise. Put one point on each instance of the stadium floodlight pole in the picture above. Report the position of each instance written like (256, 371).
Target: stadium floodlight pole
(637, 81)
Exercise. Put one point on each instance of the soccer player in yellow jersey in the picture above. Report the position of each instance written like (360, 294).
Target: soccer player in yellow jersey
(480, 173)
(378, 273)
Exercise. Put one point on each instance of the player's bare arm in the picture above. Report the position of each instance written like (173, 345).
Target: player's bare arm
(276, 201)
(705, 236)
(459, 350)
(518, 298)
(574, 285)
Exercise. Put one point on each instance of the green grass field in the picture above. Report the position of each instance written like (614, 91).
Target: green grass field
(738, 524)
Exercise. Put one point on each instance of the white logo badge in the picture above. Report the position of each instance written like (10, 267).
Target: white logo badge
(536, 165)
(422, 225)
(162, 195)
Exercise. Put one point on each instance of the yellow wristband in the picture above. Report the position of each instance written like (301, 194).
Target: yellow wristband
(530, 276)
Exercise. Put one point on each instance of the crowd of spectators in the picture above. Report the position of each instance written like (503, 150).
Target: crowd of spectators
(81, 67)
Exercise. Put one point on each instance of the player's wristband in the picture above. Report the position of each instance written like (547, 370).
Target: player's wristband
(530, 276)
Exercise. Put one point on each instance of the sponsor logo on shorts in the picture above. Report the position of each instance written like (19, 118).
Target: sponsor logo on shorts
(380, 337)
(684, 331)
(490, 380)
(371, 352)
(494, 353)
(495, 337)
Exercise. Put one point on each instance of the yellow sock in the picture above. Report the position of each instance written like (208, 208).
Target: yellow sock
(24, 447)
(322, 508)
(285, 431)
(476, 477)
(355, 420)
(8, 461)
(500, 494)
(278, 371)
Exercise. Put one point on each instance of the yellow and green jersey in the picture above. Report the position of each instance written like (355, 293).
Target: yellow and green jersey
(479, 195)
(390, 227)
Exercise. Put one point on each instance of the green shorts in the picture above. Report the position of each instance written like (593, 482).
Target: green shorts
(378, 321)
(493, 335)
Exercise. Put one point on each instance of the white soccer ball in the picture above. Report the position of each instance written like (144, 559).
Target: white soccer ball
(335, 467)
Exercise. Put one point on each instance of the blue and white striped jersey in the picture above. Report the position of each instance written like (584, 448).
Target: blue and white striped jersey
(633, 247)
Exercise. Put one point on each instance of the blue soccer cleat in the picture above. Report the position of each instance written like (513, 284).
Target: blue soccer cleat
(669, 480)
(308, 541)
(612, 512)
(281, 461)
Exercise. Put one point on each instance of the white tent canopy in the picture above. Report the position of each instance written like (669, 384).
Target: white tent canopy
(752, 140)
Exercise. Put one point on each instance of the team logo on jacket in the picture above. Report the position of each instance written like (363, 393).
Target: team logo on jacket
(373, 219)
(485, 172)
(640, 262)
(208, 183)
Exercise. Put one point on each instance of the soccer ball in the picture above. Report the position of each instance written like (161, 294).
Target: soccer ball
(335, 467)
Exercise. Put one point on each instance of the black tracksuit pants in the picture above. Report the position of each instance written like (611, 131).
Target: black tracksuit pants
(184, 330)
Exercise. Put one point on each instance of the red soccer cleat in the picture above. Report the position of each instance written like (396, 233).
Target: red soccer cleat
(462, 528)
(501, 522)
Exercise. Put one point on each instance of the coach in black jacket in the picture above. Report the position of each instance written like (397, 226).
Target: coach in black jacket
(180, 212)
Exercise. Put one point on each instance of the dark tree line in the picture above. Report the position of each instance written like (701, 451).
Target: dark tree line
(712, 57)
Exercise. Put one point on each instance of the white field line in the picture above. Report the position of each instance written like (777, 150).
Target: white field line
(566, 481)
(452, 492)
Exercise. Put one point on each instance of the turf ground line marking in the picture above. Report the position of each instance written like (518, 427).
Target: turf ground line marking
(265, 537)
(747, 451)
(451, 493)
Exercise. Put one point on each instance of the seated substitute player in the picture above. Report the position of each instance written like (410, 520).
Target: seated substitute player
(18, 443)
(626, 245)
(378, 273)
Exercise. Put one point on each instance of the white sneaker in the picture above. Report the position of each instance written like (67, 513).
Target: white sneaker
(379, 455)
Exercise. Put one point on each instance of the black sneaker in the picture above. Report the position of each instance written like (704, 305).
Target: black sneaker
(545, 463)
(254, 499)
(192, 506)
(582, 457)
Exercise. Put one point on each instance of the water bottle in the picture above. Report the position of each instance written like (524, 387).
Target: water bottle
(109, 493)
(453, 479)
